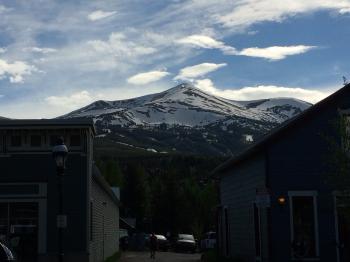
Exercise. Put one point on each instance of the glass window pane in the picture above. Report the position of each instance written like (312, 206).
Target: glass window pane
(53, 140)
(304, 243)
(35, 141)
(75, 140)
(16, 141)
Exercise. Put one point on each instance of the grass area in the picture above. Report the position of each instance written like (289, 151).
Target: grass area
(212, 256)
(114, 258)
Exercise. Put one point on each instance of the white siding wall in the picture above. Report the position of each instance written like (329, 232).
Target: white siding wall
(105, 225)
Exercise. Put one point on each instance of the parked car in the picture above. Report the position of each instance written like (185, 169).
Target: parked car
(5, 253)
(163, 243)
(208, 241)
(185, 243)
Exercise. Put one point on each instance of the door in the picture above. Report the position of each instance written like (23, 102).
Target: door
(19, 229)
(343, 218)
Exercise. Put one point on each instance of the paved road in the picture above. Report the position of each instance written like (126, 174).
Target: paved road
(160, 257)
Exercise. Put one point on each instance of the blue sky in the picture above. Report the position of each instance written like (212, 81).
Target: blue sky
(56, 56)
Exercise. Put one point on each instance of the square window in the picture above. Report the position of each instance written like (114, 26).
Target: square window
(16, 141)
(35, 141)
(75, 140)
(53, 140)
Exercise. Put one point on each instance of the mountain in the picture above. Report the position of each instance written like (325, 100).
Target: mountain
(164, 121)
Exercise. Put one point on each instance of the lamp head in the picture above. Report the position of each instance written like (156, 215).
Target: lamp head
(59, 153)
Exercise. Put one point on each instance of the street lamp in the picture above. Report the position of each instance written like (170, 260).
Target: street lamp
(59, 153)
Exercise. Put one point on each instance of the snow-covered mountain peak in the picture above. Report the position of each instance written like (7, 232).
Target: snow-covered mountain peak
(187, 105)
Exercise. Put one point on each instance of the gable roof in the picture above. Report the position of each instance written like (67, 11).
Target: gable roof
(278, 131)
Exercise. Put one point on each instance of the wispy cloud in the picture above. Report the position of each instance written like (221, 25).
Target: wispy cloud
(263, 92)
(118, 45)
(99, 14)
(43, 50)
(15, 71)
(247, 13)
(271, 53)
(4, 9)
(147, 77)
(2, 50)
(192, 72)
(207, 42)
(275, 52)
(345, 10)
(72, 101)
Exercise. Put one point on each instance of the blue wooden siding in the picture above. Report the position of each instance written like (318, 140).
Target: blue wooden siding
(238, 190)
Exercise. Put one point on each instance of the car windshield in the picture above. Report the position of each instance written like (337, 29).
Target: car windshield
(186, 237)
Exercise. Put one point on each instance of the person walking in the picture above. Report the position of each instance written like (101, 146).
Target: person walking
(153, 245)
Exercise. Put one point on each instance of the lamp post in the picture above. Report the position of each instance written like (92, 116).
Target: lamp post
(59, 153)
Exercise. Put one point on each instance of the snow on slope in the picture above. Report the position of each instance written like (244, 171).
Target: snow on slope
(188, 106)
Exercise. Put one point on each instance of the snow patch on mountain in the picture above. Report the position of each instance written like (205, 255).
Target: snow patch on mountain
(186, 105)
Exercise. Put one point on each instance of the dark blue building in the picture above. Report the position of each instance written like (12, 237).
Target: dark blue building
(29, 195)
(278, 199)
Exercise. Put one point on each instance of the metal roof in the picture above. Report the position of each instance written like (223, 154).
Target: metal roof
(47, 123)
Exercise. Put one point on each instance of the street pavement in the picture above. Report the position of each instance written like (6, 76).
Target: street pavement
(160, 257)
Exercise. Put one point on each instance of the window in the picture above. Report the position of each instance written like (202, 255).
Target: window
(75, 140)
(53, 140)
(35, 140)
(16, 141)
(304, 229)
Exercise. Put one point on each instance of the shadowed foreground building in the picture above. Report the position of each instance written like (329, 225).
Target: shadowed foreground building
(29, 193)
(277, 200)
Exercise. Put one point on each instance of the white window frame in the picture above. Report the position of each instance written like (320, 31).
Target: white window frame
(306, 193)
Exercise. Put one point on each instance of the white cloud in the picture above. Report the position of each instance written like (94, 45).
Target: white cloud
(118, 51)
(15, 71)
(43, 50)
(263, 92)
(249, 12)
(4, 9)
(275, 52)
(118, 45)
(271, 53)
(99, 14)
(2, 50)
(207, 42)
(191, 72)
(148, 77)
(72, 101)
(344, 10)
